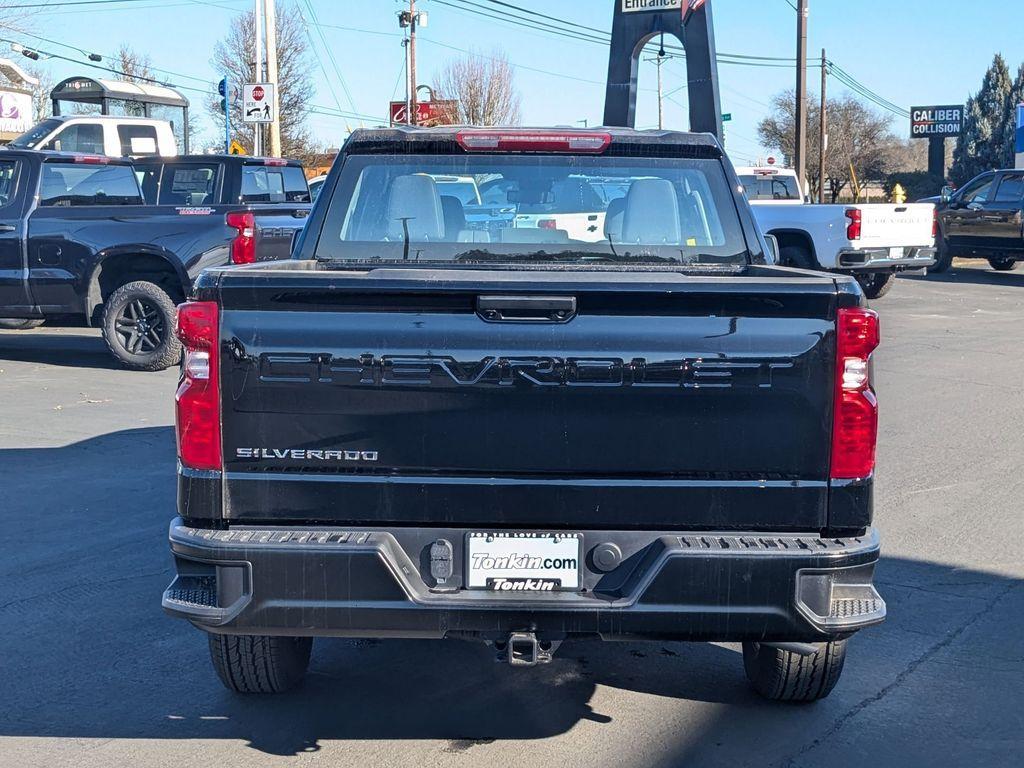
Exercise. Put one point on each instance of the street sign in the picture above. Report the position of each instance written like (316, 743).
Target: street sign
(940, 122)
(236, 148)
(639, 6)
(258, 102)
(727, 117)
(428, 113)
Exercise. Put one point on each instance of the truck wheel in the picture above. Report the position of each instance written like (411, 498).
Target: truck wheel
(258, 664)
(943, 257)
(796, 256)
(18, 324)
(786, 676)
(138, 326)
(876, 284)
(1003, 264)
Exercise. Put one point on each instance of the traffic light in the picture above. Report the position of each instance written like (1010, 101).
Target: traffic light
(222, 89)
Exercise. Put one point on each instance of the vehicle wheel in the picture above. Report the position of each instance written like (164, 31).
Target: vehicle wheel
(876, 284)
(943, 257)
(138, 326)
(786, 676)
(19, 324)
(259, 664)
(1003, 264)
(797, 256)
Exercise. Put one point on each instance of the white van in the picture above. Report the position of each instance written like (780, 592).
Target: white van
(101, 135)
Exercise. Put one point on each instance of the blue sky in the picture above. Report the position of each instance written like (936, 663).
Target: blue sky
(909, 51)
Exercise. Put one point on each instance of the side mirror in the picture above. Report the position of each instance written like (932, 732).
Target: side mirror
(773, 247)
(946, 195)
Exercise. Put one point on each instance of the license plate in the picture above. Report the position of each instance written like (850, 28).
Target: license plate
(895, 253)
(523, 562)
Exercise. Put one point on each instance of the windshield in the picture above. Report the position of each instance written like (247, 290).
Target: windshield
(767, 186)
(35, 135)
(546, 208)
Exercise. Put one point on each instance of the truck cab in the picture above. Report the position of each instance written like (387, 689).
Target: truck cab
(101, 135)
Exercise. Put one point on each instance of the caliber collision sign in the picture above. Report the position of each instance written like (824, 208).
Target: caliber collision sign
(926, 122)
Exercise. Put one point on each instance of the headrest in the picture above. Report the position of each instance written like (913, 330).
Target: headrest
(613, 219)
(414, 199)
(652, 213)
(454, 216)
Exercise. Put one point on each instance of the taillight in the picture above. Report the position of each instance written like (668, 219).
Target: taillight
(197, 401)
(243, 247)
(592, 142)
(935, 223)
(547, 224)
(277, 162)
(855, 421)
(92, 159)
(854, 228)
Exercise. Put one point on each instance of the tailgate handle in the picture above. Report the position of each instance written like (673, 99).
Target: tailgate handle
(526, 309)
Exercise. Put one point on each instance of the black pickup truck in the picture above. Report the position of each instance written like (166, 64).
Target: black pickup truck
(416, 428)
(80, 243)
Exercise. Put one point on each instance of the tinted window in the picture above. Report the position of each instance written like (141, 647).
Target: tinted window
(149, 180)
(296, 188)
(1011, 189)
(137, 139)
(84, 137)
(262, 184)
(648, 210)
(189, 184)
(73, 184)
(770, 187)
(30, 139)
(8, 181)
(978, 191)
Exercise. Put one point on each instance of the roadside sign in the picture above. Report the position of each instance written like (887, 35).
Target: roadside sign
(236, 148)
(639, 6)
(942, 121)
(258, 102)
(727, 117)
(428, 113)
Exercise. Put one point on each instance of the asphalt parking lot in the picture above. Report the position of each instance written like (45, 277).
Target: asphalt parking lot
(92, 673)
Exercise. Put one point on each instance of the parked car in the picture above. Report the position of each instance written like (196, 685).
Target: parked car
(984, 219)
(871, 242)
(101, 135)
(79, 245)
(315, 184)
(524, 440)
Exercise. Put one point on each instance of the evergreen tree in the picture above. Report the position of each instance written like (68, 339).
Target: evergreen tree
(982, 146)
(1010, 131)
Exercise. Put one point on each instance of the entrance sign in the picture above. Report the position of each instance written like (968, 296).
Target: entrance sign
(258, 102)
(639, 6)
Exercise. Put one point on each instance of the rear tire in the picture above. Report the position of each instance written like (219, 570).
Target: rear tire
(259, 664)
(1003, 264)
(876, 284)
(786, 676)
(138, 326)
(798, 257)
(943, 257)
(19, 324)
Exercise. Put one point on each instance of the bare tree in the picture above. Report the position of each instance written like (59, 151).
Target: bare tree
(483, 88)
(234, 57)
(134, 68)
(857, 137)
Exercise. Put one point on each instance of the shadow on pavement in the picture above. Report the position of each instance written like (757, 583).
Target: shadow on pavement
(74, 350)
(978, 273)
(87, 653)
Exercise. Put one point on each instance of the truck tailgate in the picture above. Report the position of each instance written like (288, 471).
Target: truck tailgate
(896, 226)
(658, 401)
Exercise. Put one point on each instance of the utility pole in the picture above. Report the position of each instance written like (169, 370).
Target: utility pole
(800, 155)
(275, 127)
(659, 61)
(257, 143)
(413, 21)
(823, 128)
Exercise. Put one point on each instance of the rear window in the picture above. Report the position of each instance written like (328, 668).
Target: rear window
(557, 208)
(767, 186)
(137, 139)
(74, 184)
(274, 184)
(189, 184)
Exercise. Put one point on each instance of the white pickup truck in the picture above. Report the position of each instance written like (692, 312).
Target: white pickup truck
(872, 242)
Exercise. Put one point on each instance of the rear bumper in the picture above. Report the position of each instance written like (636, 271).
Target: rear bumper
(875, 259)
(378, 583)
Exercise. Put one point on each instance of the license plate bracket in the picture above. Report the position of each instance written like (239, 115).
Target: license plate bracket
(524, 561)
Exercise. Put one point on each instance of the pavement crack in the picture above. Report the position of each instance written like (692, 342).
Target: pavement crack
(90, 585)
(912, 667)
